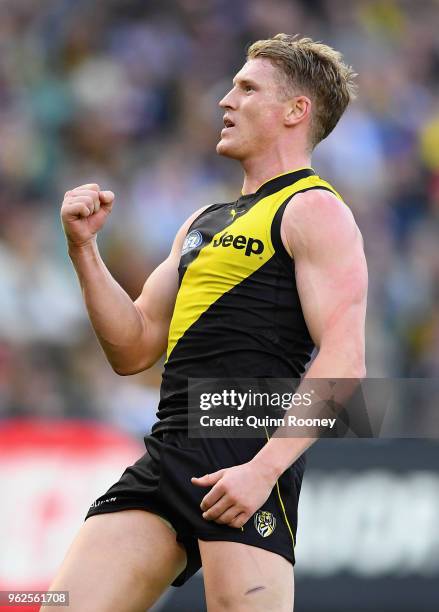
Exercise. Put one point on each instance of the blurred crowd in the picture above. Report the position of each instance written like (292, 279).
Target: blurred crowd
(126, 94)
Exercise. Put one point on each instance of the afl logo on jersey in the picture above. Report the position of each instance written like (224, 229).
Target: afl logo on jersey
(192, 241)
(265, 523)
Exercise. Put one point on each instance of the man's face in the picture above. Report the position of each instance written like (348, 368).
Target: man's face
(254, 111)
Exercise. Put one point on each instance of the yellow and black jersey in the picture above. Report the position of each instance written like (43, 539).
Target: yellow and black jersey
(237, 312)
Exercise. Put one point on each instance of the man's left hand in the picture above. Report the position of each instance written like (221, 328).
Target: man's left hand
(236, 494)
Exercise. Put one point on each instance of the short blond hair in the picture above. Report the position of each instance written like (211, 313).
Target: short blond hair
(314, 69)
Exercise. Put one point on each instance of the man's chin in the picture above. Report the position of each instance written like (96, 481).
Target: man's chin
(227, 149)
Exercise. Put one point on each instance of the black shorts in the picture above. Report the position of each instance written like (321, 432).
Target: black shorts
(160, 482)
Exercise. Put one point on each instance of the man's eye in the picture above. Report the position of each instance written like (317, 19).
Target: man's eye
(248, 88)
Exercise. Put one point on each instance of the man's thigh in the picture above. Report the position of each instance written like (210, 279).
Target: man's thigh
(242, 578)
(119, 561)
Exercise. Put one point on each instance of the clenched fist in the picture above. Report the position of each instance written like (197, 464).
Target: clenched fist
(84, 211)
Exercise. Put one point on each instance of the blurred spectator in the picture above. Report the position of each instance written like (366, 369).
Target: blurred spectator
(126, 94)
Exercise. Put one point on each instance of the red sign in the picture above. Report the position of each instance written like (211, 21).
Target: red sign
(50, 473)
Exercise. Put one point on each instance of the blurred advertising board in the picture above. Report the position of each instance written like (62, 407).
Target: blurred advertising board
(50, 473)
(368, 533)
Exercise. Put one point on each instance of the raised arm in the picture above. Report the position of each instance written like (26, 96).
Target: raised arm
(132, 334)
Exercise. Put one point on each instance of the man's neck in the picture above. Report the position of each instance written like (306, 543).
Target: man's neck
(258, 172)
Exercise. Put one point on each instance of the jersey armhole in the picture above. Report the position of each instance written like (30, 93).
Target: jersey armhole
(276, 237)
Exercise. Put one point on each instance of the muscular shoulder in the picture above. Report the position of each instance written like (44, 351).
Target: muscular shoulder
(317, 218)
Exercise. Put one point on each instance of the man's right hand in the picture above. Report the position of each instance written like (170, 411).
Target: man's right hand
(84, 211)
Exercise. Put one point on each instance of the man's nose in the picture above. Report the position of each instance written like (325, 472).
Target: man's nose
(228, 101)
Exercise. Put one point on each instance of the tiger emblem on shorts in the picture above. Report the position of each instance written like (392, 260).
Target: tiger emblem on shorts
(265, 523)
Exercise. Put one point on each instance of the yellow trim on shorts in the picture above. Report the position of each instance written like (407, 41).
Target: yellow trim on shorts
(285, 514)
(282, 503)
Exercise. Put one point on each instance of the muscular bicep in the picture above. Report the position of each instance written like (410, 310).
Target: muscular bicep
(331, 273)
(156, 304)
(332, 291)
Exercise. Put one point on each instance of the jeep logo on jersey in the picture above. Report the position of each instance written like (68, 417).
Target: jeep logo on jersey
(192, 241)
(251, 245)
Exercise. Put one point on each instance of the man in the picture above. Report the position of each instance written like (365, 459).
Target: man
(247, 291)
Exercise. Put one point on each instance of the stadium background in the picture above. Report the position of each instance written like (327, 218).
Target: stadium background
(125, 94)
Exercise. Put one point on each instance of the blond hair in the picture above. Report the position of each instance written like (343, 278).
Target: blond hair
(314, 69)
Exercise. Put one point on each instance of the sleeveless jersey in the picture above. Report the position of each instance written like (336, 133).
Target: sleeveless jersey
(237, 312)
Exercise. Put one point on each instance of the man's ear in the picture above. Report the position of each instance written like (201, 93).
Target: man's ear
(297, 109)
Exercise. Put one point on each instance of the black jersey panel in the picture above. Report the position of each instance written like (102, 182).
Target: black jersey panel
(241, 336)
